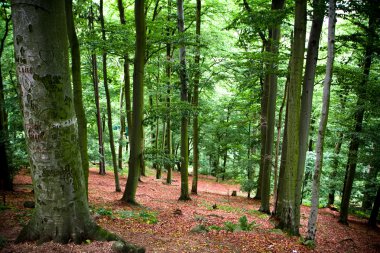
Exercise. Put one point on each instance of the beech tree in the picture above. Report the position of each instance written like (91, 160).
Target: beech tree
(312, 226)
(184, 99)
(288, 203)
(136, 139)
(61, 208)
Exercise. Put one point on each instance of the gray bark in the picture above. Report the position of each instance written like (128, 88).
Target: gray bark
(312, 224)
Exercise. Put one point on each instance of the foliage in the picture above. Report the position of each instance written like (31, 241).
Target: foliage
(143, 216)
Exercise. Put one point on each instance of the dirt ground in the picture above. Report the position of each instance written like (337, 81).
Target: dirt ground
(163, 224)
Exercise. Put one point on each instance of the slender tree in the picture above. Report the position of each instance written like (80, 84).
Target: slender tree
(194, 186)
(95, 80)
(184, 99)
(5, 169)
(168, 70)
(109, 109)
(319, 7)
(136, 139)
(372, 222)
(312, 225)
(269, 118)
(372, 8)
(77, 88)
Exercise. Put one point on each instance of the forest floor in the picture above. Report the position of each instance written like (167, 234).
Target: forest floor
(164, 224)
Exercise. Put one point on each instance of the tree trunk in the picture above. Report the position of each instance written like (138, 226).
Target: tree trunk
(5, 169)
(279, 127)
(307, 92)
(95, 80)
(184, 99)
(271, 79)
(312, 224)
(109, 109)
(77, 89)
(61, 213)
(136, 139)
(370, 186)
(127, 84)
(194, 187)
(359, 115)
(168, 148)
(290, 204)
(122, 129)
(372, 222)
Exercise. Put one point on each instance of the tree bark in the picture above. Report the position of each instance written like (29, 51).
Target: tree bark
(359, 116)
(271, 79)
(109, 109)
(194, 187)
(5, 168)
(372, 222)
(77, 89)
(289, 207)
(312, 224)
(307, 92)
(95, 80)
(136, 139)
(184, 99)
(168, 149)
(61, 212)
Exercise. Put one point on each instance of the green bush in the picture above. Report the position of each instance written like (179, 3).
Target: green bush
(104, 212)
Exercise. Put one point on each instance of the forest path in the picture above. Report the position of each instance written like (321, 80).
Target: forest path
(163, 224)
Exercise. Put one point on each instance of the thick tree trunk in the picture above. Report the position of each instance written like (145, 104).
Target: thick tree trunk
(359, 116)
(307, 92)
(194, 187)
(5, 169)
(136, 139)
(184, 99)
(109, 109)
(271, 78)
(289, 206)
(312, 224)
(61, 213)
(77, 89)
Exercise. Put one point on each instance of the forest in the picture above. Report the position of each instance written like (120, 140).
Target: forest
(189, 126)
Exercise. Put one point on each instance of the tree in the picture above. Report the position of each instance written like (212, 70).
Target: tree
(270, 84)
(126, 89)
(109, 113)
(61, 212)
(289, 204)
(184, 99)
(95, 80)
(136, 139)
(319, 7)
(194, 187)
(372, 9)
(77, 88)
(5, 168)
(312, 224)
(372, 222)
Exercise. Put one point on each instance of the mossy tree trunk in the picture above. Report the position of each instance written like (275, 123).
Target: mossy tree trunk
(77, 88)
(108, 99)
(288, 212)
(136, 140)
(40, 41)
